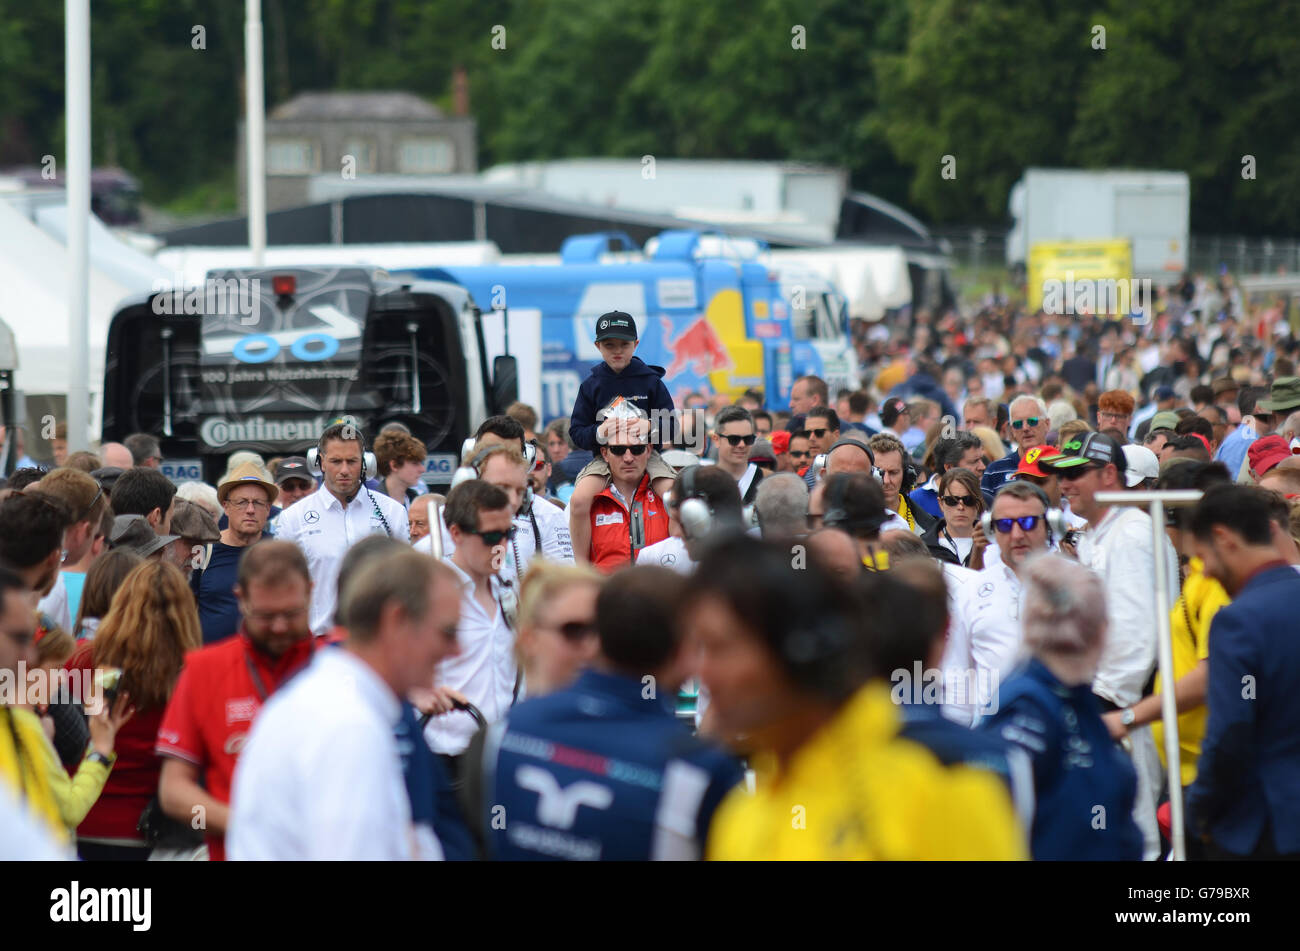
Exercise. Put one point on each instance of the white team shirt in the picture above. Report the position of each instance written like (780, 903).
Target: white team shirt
(670, 553)
(55, 604)
(324, 530)
(986, 639)
(1119, 549)
(485, 670)
(321, 775)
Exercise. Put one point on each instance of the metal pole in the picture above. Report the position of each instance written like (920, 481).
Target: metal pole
(1164, 645)
(77, 107)
(255, 130)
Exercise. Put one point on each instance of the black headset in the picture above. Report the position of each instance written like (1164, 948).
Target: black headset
(837, 516)
(1053, 518)
(472, 470)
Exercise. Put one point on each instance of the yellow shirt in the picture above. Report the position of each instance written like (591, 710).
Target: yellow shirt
(35, 774)
(1201, 599)
(856, 790)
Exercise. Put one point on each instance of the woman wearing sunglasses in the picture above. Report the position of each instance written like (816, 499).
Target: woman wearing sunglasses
(952, 538)
(557, 624)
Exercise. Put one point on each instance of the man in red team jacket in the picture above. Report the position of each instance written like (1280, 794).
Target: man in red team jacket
(223, 686)
(627, 515)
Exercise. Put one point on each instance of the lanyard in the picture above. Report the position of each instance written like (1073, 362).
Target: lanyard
(258, 685)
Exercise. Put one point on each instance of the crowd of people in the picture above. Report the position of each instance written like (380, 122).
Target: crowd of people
(909, 621)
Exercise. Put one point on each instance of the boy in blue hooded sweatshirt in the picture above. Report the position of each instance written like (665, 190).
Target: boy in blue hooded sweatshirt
(621, 374)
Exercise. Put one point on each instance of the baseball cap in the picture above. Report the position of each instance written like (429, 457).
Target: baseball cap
(1283, 395)
(194, 522)
(615, 325)
(762, 451)
(1141, 463)
(292, 467)
(1166, 419)
(1095, 449)
(1030, 464)
(1266, 452)
(1164, 393)
(135, 532)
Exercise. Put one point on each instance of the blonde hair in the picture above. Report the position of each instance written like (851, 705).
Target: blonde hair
(55, 647)
(993, 445)
(543, 583)
(152, 624)
(1072, 428)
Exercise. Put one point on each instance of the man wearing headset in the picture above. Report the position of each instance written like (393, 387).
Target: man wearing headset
(898, 476)
(984, 635)
(342, 511)
(717, 509)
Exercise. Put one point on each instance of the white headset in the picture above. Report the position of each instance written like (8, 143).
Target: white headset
(1054, 518)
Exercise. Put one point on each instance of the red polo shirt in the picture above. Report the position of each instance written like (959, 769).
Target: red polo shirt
(212, 710)
(615, 526)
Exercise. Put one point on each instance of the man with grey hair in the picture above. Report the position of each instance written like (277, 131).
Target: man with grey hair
(1029, 422)
(145, 450)
(782, 506)
(321, 774)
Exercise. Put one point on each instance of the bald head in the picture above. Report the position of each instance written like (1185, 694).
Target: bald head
(849, 458)
(116, 455)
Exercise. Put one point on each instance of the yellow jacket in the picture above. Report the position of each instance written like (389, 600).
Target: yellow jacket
(36, 775)
(857, 790)
(1189, 626)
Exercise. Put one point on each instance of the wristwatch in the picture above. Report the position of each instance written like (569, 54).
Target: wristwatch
(98, 757)
(1128, 716)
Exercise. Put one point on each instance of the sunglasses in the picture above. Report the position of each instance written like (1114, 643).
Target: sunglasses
(952, 501)
(819, 433)
(576, 631)
(1027, 522)
(492, 539)
(1030, 421)
(621, 451)
(800, 453)
(91, 507)
(737, 440)
(1069, 475)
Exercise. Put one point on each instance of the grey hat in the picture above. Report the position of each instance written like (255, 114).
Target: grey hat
(194, 522)
(135, 532)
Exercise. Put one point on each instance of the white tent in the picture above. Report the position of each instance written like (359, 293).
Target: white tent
(34, 303)
(872, 279)
(133, 269)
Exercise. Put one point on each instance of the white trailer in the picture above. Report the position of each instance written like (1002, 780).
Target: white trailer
(1150, 209)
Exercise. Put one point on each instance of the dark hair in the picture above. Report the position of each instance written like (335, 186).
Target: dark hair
(1201, 393)
(760, 414)
(826, 412)
(859, 402)
(855, 503)
(1248, 396)
(506, 427)
(716, 487)
(636, 617)
(732, 414)
(816, 386)
(140, 490)
(340, 432)
(31, 526)
(893, 408)
(143, 447)
(802, 616)
(102, 581)
(1196, 424)
(466, 500)
(948, 452)
(903, 612)
(22, 478)
(11, 581)
(970, 482)
(1243, 509)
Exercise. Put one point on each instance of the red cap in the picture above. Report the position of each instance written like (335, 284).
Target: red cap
(1029, 464)
(1266, 452)
(780, 441)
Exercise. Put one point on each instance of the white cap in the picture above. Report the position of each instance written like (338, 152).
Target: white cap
(1140, 463)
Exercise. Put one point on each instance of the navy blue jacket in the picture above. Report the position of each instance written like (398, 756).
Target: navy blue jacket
(598, 771)
(1084, 783)
(999, 473)
(433, 801)
(1249, 770)
(640, 384)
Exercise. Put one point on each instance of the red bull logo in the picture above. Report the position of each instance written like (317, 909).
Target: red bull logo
(697, 347)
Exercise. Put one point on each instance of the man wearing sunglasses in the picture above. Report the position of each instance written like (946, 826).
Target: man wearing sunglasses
(481, 523)
(626, 515)
(823, 428)
(986, 631)
(733, 436)
(1029, 425)
(1118, 546)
